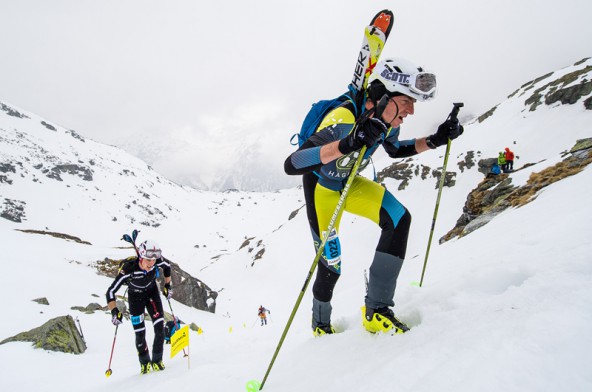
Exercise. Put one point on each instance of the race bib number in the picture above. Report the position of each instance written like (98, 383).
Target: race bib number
(137, 319)
(333, 249)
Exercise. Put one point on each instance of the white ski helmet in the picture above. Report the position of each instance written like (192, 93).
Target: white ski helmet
(149, 250)
(402, 76)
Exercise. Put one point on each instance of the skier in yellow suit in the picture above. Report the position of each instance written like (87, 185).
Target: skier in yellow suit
(325, 161)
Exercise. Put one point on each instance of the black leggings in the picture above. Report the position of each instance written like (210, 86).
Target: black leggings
(151, 302)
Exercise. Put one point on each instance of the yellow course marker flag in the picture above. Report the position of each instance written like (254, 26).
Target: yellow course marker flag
(179, 340)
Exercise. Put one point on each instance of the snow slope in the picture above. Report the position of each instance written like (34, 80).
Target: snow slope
(507, 307)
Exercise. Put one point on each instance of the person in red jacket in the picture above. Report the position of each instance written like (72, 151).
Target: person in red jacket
(509, 159)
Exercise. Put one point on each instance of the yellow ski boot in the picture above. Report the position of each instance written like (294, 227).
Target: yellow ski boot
(321, 330)
(382, 320)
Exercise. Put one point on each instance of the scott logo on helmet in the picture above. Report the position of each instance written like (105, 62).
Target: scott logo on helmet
(395, 76)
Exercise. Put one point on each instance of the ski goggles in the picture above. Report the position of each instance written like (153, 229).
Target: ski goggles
(152, 254)
(423, 83)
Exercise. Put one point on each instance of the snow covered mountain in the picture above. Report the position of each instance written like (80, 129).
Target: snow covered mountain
(507, 307)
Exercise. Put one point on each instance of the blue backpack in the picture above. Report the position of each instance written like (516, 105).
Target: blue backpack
(318, 111)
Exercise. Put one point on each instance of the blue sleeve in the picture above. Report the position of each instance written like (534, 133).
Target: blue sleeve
(305, 158)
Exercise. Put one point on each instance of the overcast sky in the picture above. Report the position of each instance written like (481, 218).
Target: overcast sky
(204, 79)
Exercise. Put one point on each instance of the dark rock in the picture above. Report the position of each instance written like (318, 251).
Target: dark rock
(485, 165)
(81, 171)
(557, 90)
(294, 213)
(582, 144)
(7, 168)
(246, 242)
(449, 178)
(402, 171)
(486, 115)
(41, 301)
(78, 137)
(58, 334)
(57, 235)
(569, 95)
(468, 162)
(11, 112)
(191, 291)
(90, 308)
(13, 210)
(48, 126)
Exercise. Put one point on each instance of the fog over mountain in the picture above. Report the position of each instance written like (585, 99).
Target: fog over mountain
(209, 93)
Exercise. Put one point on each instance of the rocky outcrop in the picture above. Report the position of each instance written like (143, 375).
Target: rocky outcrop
(561, 90)
(56, 235)
(449, 178)
(468, 162)
(90, 308)
(484, 165)
(13, 210)
(41, 301)
(402, 171)
(58, 334)
(12, 112)
(77, 170)
(494, 194)
(255, 249)
(295, 212)
(191, 291)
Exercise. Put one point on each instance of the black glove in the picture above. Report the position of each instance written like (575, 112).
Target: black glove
(449, 129)
(167, 291)
(117, 317)
(367, 133)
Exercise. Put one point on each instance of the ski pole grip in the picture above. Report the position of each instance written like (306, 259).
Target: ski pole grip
(455, 110)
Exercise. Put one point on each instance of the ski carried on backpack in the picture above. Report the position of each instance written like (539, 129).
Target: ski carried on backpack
(375, 36)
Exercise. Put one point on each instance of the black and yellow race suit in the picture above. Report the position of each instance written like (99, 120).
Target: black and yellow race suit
(323, 184)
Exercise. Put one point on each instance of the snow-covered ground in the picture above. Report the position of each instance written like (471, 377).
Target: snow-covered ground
(506, 308)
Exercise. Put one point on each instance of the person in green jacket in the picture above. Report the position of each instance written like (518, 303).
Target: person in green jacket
(501, 161)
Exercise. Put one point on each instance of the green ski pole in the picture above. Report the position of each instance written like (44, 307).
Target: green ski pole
(354, 171)
(453, 115)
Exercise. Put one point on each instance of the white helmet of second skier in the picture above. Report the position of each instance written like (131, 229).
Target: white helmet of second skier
(150, 250)
(401, 76)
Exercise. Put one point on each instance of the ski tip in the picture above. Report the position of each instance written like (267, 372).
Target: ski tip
(253, 386)
(416, 284)
(384, 21)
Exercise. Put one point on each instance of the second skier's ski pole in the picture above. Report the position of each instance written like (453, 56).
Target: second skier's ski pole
(109, 371)
(453, 116)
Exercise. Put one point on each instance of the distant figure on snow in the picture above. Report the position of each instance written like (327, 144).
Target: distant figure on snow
(140, 273)
(509, 160)
(262, 313)
(501, 161)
